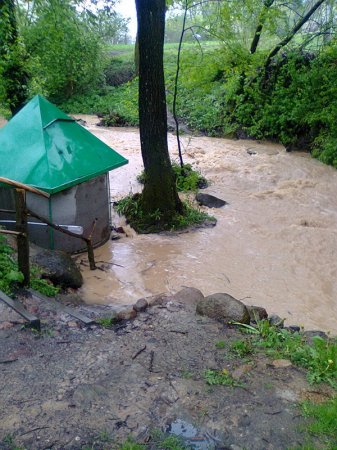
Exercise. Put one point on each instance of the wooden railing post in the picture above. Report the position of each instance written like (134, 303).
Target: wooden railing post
(22, 238)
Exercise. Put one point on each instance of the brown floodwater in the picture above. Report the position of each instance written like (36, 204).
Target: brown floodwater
(274, 244)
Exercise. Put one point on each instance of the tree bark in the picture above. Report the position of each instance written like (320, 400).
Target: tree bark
(256, 39)
(159, 195)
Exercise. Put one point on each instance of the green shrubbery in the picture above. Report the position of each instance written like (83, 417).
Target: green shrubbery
(10, 275)
(187, 179)
(131, 208)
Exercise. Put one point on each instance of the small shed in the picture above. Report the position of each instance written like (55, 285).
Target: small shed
(43, 147)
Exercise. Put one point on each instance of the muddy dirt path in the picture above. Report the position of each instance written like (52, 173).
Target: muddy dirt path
(74, 387)
(274, 245)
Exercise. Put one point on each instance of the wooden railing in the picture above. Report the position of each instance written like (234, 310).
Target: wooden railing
(21, 231)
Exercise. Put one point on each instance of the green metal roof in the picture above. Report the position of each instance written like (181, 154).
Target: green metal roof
(43, 147)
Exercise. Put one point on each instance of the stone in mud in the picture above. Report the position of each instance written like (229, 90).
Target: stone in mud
(140, 305)
(188, 296)
(257, 313)
(223, 307)
(59, 268)
(127, 313)
(210, 200)
(276, 321)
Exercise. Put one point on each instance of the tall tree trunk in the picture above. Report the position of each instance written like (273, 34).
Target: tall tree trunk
(159, 194)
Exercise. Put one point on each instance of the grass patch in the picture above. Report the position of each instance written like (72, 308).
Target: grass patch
(220, 377)
(319, 357)
(324, 421)
(131, 208)
(106, 322)
(241, 348)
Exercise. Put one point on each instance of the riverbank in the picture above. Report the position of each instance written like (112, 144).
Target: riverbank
(78, 387)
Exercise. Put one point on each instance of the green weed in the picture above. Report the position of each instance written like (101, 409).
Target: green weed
(220, 377)
(10, 275)
(220, 344)
(319, 358)
(241, 348)
(106, 322)
(324, 420)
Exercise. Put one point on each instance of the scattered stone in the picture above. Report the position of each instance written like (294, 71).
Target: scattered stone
(127, 313)
(240, 371)
(158, 299)
(294, 328)
(281, 363)
(114, 236)
(310, 334)
(210, 200)
(140, 305)
(59, 268)
(251, 152)
(223, 307)
(188, 296)
(70, 298)
(276, 321)
(6, 325)
(257, 313)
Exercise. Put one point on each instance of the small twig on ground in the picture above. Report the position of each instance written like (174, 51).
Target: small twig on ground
(151, 361)
(139, 352)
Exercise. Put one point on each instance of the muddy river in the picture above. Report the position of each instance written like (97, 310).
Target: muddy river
(274, 244)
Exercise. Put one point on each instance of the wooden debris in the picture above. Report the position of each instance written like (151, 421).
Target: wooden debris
(33, 321)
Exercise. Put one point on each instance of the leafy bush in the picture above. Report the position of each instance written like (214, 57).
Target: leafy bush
(120, 100)
(187, 179)
(10, 275)
(119, 71)
(131, 208)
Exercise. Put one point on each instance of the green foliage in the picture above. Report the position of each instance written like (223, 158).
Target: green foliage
(10, 276)
(121, 101)
(131, 208)
(67, 53)
(319, 358)
(119, 71)
(324, 417)
(187, 179)
(162, 441)
(242, 348)
(106, 322)
(220, 344)
(220, 377)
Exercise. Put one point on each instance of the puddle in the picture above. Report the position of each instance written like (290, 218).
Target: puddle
(190, 435)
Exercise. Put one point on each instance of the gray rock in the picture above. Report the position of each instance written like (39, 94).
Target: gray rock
(188, 296)
(257, 313)
(276, 321)
(223, 307)
(294, 328)
(310, 334)
(140, 305)
(210, 201)
(59, 268)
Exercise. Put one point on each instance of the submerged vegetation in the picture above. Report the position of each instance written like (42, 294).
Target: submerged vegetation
(131, 208)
